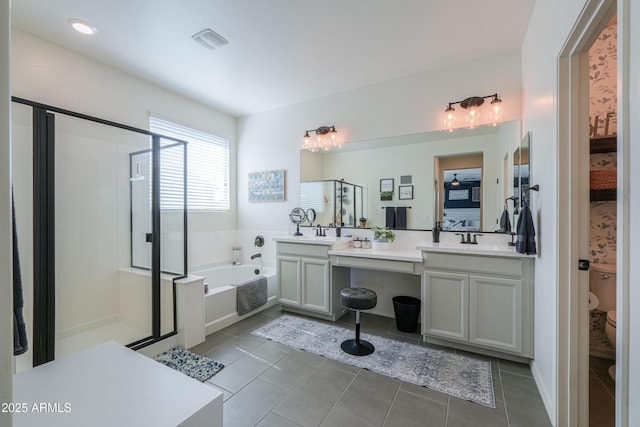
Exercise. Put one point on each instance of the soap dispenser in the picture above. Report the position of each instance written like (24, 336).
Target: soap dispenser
(435, 233)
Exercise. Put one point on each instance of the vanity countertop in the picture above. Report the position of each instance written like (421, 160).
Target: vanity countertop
(335, 242)
(411, 255)
(480, 249)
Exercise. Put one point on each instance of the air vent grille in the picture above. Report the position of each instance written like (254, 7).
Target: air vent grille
(210, 39)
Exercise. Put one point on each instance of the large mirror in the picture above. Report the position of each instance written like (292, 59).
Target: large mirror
(418, 168)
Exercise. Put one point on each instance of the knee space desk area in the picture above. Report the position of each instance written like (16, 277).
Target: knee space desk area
(476, 298)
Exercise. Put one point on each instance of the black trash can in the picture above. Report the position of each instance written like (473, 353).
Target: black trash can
(407, 311)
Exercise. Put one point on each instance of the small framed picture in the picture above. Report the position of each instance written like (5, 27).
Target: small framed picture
(386, 185)
(405, 192)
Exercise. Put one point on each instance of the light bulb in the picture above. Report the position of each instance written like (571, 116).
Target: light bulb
(472, 117)
(496, 113)
(450, 118)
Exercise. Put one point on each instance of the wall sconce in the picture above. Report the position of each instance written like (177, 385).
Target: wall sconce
(472, 116)
(326, 138)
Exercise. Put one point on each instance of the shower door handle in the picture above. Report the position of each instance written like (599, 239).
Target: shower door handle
(149, 237)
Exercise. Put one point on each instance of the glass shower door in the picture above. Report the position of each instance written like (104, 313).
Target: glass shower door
(99, 297)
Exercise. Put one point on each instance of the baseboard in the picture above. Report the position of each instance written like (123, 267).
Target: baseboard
(75, 330)
(549, 405)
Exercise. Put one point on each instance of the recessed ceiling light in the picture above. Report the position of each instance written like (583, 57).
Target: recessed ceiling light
(82, 27)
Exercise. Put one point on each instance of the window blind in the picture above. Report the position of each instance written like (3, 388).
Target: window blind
(207, 168)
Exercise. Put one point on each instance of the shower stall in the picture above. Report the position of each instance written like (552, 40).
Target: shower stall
(102, 229)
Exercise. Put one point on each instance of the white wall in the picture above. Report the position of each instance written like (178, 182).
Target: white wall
(51, 75)
(6, 282)
(409, 105)
(548, 29)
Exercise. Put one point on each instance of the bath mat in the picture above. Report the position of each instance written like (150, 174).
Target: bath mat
(453, 374)
(197, 367)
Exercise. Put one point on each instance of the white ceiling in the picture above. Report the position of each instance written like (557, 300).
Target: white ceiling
(280, 52)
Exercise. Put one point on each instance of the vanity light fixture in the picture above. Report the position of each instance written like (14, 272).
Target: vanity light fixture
(83, 27)
(472, 116)
(325, 139)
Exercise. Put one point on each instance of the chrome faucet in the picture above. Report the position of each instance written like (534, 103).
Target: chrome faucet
(254, 256)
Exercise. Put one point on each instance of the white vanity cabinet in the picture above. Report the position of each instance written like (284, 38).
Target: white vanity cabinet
(479, 302)
(304, 277)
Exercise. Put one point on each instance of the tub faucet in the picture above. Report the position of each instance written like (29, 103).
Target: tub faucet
(254, 256)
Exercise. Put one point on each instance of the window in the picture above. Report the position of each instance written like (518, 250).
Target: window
(207, 169)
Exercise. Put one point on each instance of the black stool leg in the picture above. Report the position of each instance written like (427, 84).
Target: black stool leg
(357, 347)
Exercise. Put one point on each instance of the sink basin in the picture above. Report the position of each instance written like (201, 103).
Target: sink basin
(484, 249)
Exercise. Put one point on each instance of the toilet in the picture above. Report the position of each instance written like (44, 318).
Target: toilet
(610, 331)
(602, 283)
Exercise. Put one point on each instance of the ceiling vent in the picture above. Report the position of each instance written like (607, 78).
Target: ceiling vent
(210, 39)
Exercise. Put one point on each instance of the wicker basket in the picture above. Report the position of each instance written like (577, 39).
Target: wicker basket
(602, 179)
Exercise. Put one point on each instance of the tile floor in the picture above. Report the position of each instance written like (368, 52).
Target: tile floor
(268, 384)
(602, 393)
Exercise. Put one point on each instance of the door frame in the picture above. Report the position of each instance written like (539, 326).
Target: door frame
(572, 204)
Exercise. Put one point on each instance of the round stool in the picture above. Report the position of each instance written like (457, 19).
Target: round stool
(358, 299)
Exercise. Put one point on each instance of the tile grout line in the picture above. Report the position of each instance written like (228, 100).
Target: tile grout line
(604, 385)
(446, 418)
(504, 397)
(340, 397)
(274, 406)
(395, 397)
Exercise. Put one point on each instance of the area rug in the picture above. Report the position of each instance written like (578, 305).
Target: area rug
(453, 374)
(191, 364)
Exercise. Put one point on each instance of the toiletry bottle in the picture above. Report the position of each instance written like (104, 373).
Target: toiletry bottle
(435, 233)
(236, 258)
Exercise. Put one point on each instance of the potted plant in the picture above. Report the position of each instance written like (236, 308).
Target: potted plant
(363, 222)
(386, 195)
(382, 238)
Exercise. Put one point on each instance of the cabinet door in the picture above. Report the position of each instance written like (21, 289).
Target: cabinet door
(446, 306)
(289, 280)
(315, 284)
(495, 312)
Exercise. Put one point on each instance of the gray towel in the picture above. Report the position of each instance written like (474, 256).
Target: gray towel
(251, 294)
(20, 344)
(526, 234)
(390, 217)
(401, 217)
(505, 224)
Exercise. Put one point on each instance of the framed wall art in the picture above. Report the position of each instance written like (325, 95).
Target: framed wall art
(267, 186)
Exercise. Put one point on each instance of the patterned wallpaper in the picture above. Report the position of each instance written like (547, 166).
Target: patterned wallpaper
(602, 75)
(602, 61)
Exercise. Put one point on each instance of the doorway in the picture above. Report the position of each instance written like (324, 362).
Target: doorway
(574, 220)
(603, 161)
(459, 194)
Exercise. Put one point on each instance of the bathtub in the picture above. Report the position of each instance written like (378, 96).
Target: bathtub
(220, 300)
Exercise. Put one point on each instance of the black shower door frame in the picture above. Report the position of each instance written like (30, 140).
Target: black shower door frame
(44, 285)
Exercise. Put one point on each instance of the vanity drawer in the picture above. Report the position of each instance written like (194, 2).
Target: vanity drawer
(301, 249)
(473, 263)
(375, 264)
